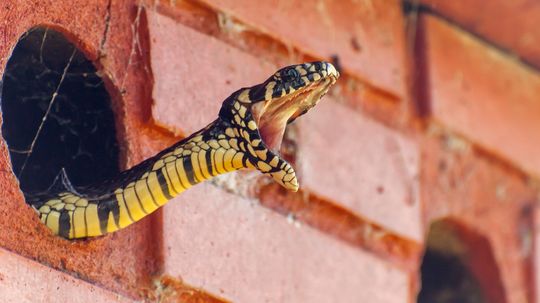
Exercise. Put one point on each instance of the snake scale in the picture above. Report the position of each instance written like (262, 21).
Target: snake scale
(246, 134)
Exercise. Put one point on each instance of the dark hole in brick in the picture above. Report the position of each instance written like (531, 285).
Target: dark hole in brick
(458, 266)
(78, 133)
(445, 279)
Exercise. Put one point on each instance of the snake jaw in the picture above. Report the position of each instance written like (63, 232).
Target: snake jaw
(262, 112)
(286, 177)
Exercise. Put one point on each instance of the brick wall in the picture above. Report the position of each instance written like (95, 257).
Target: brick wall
(429, 123)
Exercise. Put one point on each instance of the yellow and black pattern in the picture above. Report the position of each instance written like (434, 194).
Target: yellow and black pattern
(231, 142)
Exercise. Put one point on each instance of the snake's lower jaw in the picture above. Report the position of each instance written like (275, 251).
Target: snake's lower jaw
(291, 184)
(286, 177)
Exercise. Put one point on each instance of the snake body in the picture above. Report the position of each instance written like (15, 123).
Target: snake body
(246, 134)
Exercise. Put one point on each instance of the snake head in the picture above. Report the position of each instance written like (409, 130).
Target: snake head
(260, 114)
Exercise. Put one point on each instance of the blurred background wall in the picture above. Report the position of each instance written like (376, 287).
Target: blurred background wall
(419, 171)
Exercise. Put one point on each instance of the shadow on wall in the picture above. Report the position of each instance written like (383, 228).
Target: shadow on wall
(459, 267)
(56, 113)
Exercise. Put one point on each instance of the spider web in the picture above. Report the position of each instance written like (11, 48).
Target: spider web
(25, 150)
(55, 111)
(29, 151)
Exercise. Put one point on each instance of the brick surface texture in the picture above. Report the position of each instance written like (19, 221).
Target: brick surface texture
(434, 120)
(192, 60)
(383, 162)
(26, 281)
(233, 246)
(482, 94)
(511, 25)
(364, 34)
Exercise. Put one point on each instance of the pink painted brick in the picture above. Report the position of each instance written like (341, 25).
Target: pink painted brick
(23, 280)
(361, 164)
(483, 94)
(367, 35)
(194, 73)
(241, 251)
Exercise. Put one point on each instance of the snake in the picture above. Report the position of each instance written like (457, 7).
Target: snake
(247, 134)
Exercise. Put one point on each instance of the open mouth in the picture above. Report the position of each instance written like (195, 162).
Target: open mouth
(290, 93)
(273, 116)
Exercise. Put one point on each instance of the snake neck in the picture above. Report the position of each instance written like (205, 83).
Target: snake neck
(217, 149)
(139, 191)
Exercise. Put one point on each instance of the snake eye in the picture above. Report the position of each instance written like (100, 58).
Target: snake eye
(290, 75)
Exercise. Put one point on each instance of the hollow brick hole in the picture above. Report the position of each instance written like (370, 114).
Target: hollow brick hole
(458, 266)
(47, 76)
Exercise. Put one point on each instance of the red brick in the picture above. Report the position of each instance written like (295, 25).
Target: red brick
(366, 167)
(482, 94)
(23, 280)
(368, 36)
(19, 16)
(108, 43)
(487, 198)
(510, 24)
(194, 73)
(241, 251)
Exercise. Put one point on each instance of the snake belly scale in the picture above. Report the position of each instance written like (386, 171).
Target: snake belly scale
(246, 135)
